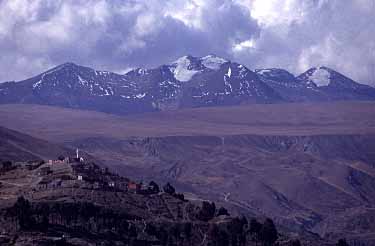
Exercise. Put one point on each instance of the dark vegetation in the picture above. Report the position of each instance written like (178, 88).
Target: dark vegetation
(98, 222)
(6, 166)
(342, 242)
(169, 189)
(107, 225)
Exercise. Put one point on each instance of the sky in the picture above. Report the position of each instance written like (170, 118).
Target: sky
(118, 35)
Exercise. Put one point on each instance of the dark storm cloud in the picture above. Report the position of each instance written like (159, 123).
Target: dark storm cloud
(117, 35)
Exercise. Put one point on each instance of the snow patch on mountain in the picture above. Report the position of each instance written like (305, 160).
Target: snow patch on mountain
(229, 73)
(321, 77)
(37, 84)
(140, 95)
(142, 71)
(182, 69)
(213, 62)
(82, 81)
(263, 71)
(228, 86)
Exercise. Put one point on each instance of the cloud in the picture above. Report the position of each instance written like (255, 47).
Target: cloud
(297, 35)
(116, 35)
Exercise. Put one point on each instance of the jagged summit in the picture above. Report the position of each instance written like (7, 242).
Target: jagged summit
(277, 74)
(213, 61)
(185, 67)
(317, 76)
(188, 81)
(322, 76)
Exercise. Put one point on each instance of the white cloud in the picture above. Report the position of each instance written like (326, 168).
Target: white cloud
(188, 12)
(247, 44)
(299, 34)
(114, 35)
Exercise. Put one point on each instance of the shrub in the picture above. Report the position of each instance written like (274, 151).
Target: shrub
(7, 165)
(179, 196)
(22, 211)
(342, 242)
(295, 242)
(168, 188)
(268, 232)
(222, 211)
(153, 187)
(207, 211)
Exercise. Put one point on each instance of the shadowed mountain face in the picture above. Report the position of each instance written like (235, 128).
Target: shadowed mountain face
(188, 82)
(15, 146)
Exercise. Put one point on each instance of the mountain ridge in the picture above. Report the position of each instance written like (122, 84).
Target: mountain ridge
(188, 82)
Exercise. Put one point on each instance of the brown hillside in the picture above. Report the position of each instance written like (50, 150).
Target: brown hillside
(59, 124)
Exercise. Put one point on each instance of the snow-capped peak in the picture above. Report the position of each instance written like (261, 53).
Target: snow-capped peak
(182, 59)
(53, 70)
(263, 71)
(182, 69)
(320, 76)
(212, 61)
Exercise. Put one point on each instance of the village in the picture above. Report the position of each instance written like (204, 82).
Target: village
(66, 172)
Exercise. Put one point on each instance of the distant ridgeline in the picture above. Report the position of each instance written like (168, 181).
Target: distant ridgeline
(77, 203)
(188, 82)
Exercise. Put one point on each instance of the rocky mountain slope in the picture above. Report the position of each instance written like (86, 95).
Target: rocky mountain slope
(303, 183)
(187, 82)
(16, 146)
(80, 203)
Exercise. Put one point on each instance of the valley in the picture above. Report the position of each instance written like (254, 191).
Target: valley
(310, 167)
(58, 124)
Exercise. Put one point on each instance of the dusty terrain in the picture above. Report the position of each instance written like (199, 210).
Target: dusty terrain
(308, 166)
(59, 124)
(16, 146)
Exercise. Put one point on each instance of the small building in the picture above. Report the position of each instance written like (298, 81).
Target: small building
(65, 160)
(122, 185)
(79, 177)
(134, 187)
(49, 183)
(144, 186)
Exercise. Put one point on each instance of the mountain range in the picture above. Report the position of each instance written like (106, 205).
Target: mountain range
(188, 82)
